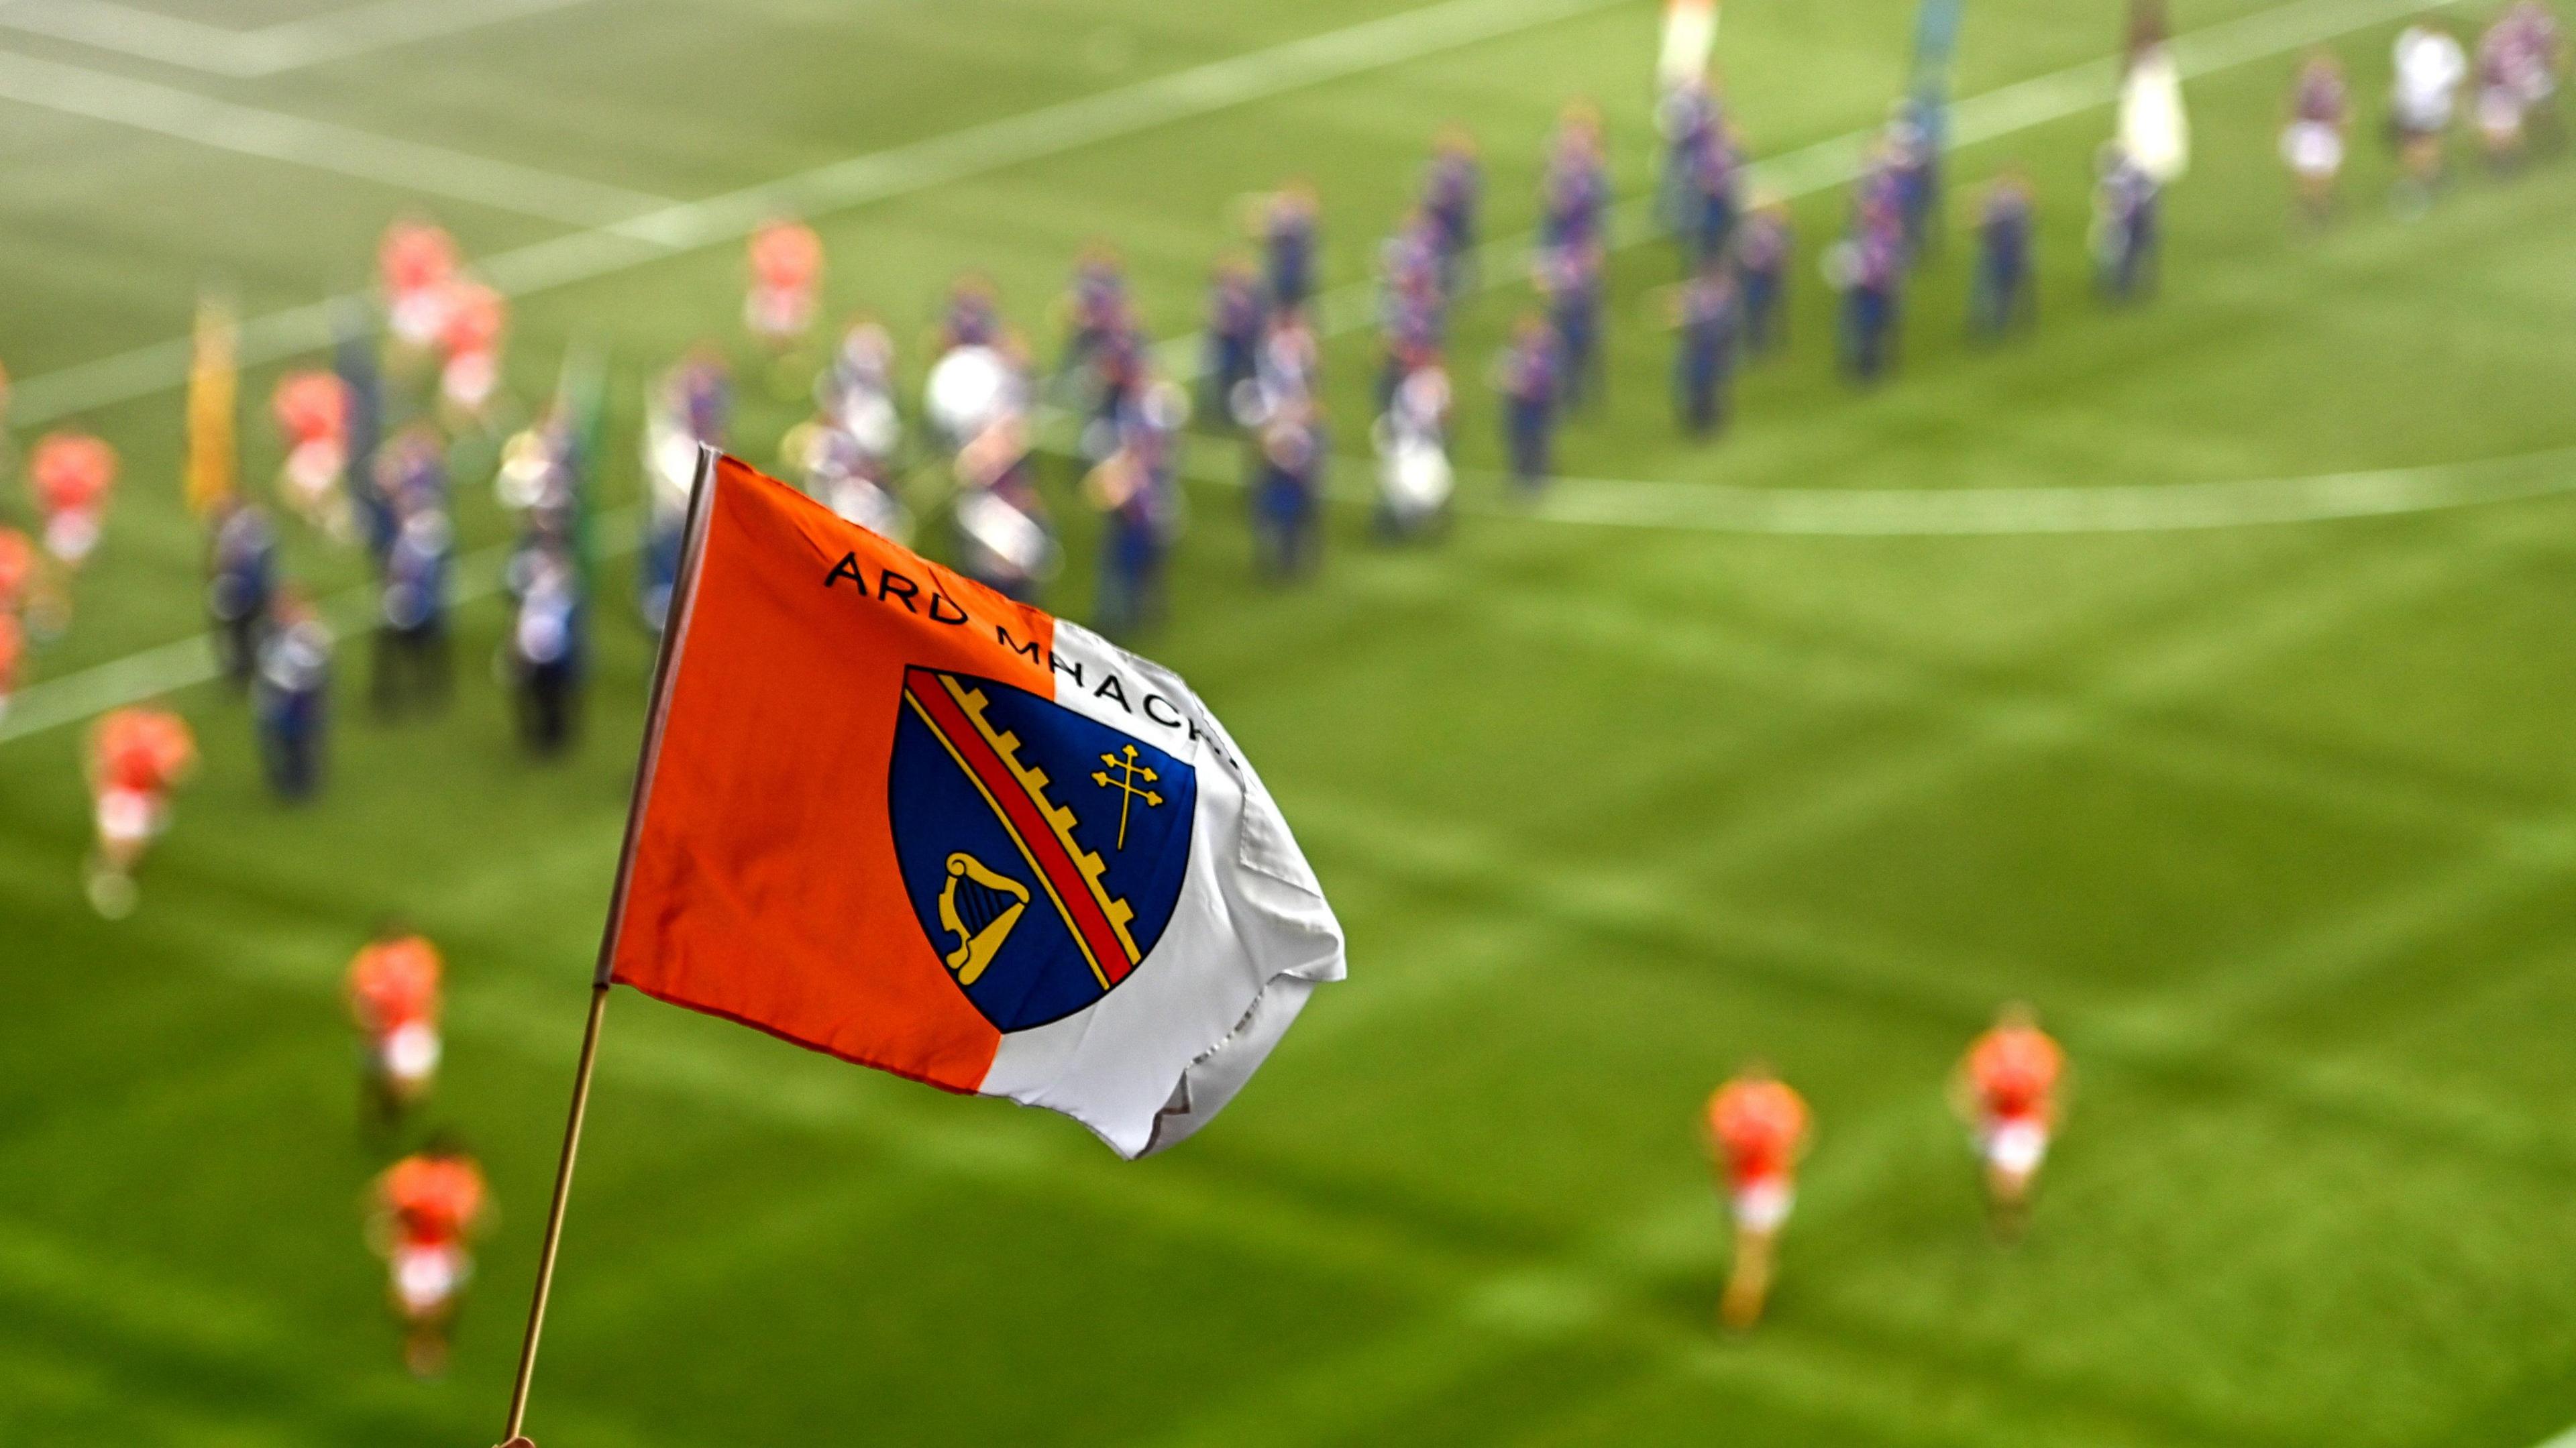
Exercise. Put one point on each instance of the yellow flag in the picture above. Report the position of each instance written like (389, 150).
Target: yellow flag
(214, 387)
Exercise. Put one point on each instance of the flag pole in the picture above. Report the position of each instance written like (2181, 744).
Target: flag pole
(674, 634)
(555, 1209)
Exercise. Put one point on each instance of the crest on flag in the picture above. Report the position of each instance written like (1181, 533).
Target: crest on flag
(1043, 851)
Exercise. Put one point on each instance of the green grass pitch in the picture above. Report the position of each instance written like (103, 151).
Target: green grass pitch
(2274, 822)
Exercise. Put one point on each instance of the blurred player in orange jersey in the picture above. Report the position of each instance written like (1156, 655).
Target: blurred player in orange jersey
(312, 411)
(2006, 1090)
(470, 334)
(417, 264)
(72, 473)
(1757, 1130)
(786, 284)
(394, 998)
(429, 1208)
(28, 591)
(17, 571)
(137, 756)
(13, 649)
(8, 453)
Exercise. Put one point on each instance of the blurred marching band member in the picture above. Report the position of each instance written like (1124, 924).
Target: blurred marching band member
(536, 472)
(2153, 129)
(1869, 266)
(1689, 35)
(1137, 490)
(1235, 323)
(2423, 99)
(1411, 303)
(2006, 1090)
(412, 664)
(72, 474)
(393, 992)
(1413, 472)
(545, 643)
(1287, 374)
(981, 396)
(1911, 176)
(1531, 377)
(847, 451)
(1569, 279)
(972, 316)
(241, 571)
(1757, 1131)
(1452, 196)
(856, 393)
(690, 405)
(1119, 363)
(2312, 143)
(2518, 63)
(2540, 54)
(786, 260)
(1686, 118)
(1713, 188)
(853, 481)
(292, 700)
(1762, 251)
(2496, 104)
(2006, 298)
(471, 334)
(1285, 412)
(417, 262)
(312, 412)
(1095, 309)
(978, 372)
(1287, 501)
(430, 1207)
(1004, 541)
(1572, 248)
(137, 757)
(353, 362)
(411, 471)
(1288, 244)
(1708, 313)
(2127, 234)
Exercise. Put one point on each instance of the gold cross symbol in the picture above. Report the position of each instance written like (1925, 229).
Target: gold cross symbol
(1131, 770)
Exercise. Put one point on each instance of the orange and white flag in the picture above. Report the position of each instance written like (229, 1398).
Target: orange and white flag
(889, 814)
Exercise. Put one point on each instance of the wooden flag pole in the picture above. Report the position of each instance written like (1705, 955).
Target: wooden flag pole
(675, 632)
(555, 1209)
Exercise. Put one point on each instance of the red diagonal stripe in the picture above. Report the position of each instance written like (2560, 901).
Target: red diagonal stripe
(1082, 912)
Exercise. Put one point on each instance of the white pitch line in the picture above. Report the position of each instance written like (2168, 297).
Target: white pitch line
(270, 50)
(878, 176)
(1986, 512)
(406, 166)
(1971, 512)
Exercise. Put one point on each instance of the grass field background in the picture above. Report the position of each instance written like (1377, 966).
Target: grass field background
(2273, 822)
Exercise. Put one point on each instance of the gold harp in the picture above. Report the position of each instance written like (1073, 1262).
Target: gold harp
(979, 908)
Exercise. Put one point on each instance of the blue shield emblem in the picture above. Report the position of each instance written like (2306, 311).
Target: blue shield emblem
(1043, 852)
